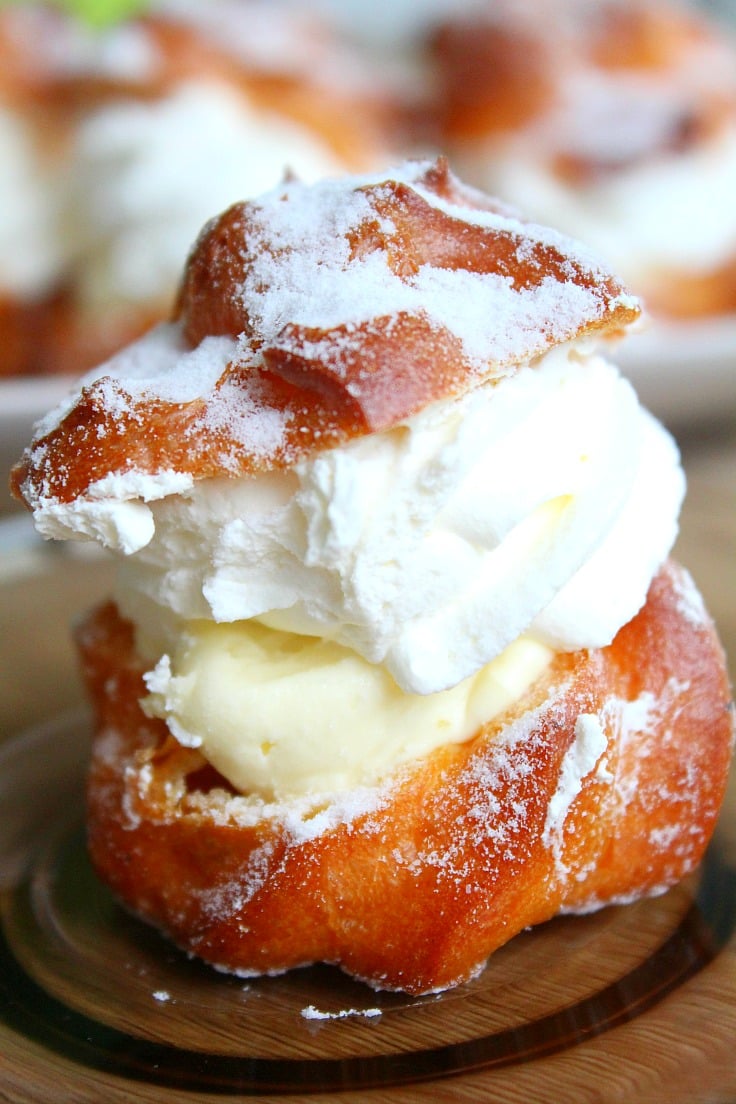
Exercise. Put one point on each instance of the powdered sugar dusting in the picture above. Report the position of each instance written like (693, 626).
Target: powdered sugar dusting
(230, 897)
(306, 273)
(594, 902)
(297, 822)
(503, 766)
(239, 408)
(528, 233)
(690, 603)
(159, 365)
(644, 716)
(584, 753)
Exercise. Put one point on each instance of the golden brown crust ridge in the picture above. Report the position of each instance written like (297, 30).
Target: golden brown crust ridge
(460, 853)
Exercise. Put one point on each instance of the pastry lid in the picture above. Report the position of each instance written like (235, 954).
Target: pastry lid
(315, 314)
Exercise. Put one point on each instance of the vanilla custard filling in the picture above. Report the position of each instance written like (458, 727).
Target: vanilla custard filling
(281, 715)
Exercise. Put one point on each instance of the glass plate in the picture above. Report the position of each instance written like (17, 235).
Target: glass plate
(631, 1003)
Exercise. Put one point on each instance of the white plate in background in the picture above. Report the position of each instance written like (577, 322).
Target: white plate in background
(684, 372)
(23, 402)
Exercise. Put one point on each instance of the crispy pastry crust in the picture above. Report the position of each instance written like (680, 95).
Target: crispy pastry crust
(429, 874)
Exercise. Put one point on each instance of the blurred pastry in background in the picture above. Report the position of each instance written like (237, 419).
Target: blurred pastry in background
(180, 113)
(33, 156)
(615, 121)
(119, 143)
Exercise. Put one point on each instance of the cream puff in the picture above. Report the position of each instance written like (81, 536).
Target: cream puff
(397, 664)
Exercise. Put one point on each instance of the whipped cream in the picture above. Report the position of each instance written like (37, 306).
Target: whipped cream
(320, 719)
(149, 175)
(431, 547)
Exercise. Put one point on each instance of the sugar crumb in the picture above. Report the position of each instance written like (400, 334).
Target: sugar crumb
(312, 1013)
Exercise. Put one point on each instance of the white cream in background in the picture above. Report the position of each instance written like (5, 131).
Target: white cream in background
(149, 175)
(31, 249)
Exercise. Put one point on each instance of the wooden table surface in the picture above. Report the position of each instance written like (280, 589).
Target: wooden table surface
(680, 1049)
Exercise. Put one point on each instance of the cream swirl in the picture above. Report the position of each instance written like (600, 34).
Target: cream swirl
(542, 504)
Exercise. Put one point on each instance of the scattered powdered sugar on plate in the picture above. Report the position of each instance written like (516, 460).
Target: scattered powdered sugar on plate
(312, 1013)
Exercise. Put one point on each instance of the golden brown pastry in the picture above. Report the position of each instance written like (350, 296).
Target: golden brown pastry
(615, 121)
(397, 664)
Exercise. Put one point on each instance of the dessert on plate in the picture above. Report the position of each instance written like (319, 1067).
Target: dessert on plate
(615, 121)
(397, 664)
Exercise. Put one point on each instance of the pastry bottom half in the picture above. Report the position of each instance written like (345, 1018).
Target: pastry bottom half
(412, 884)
